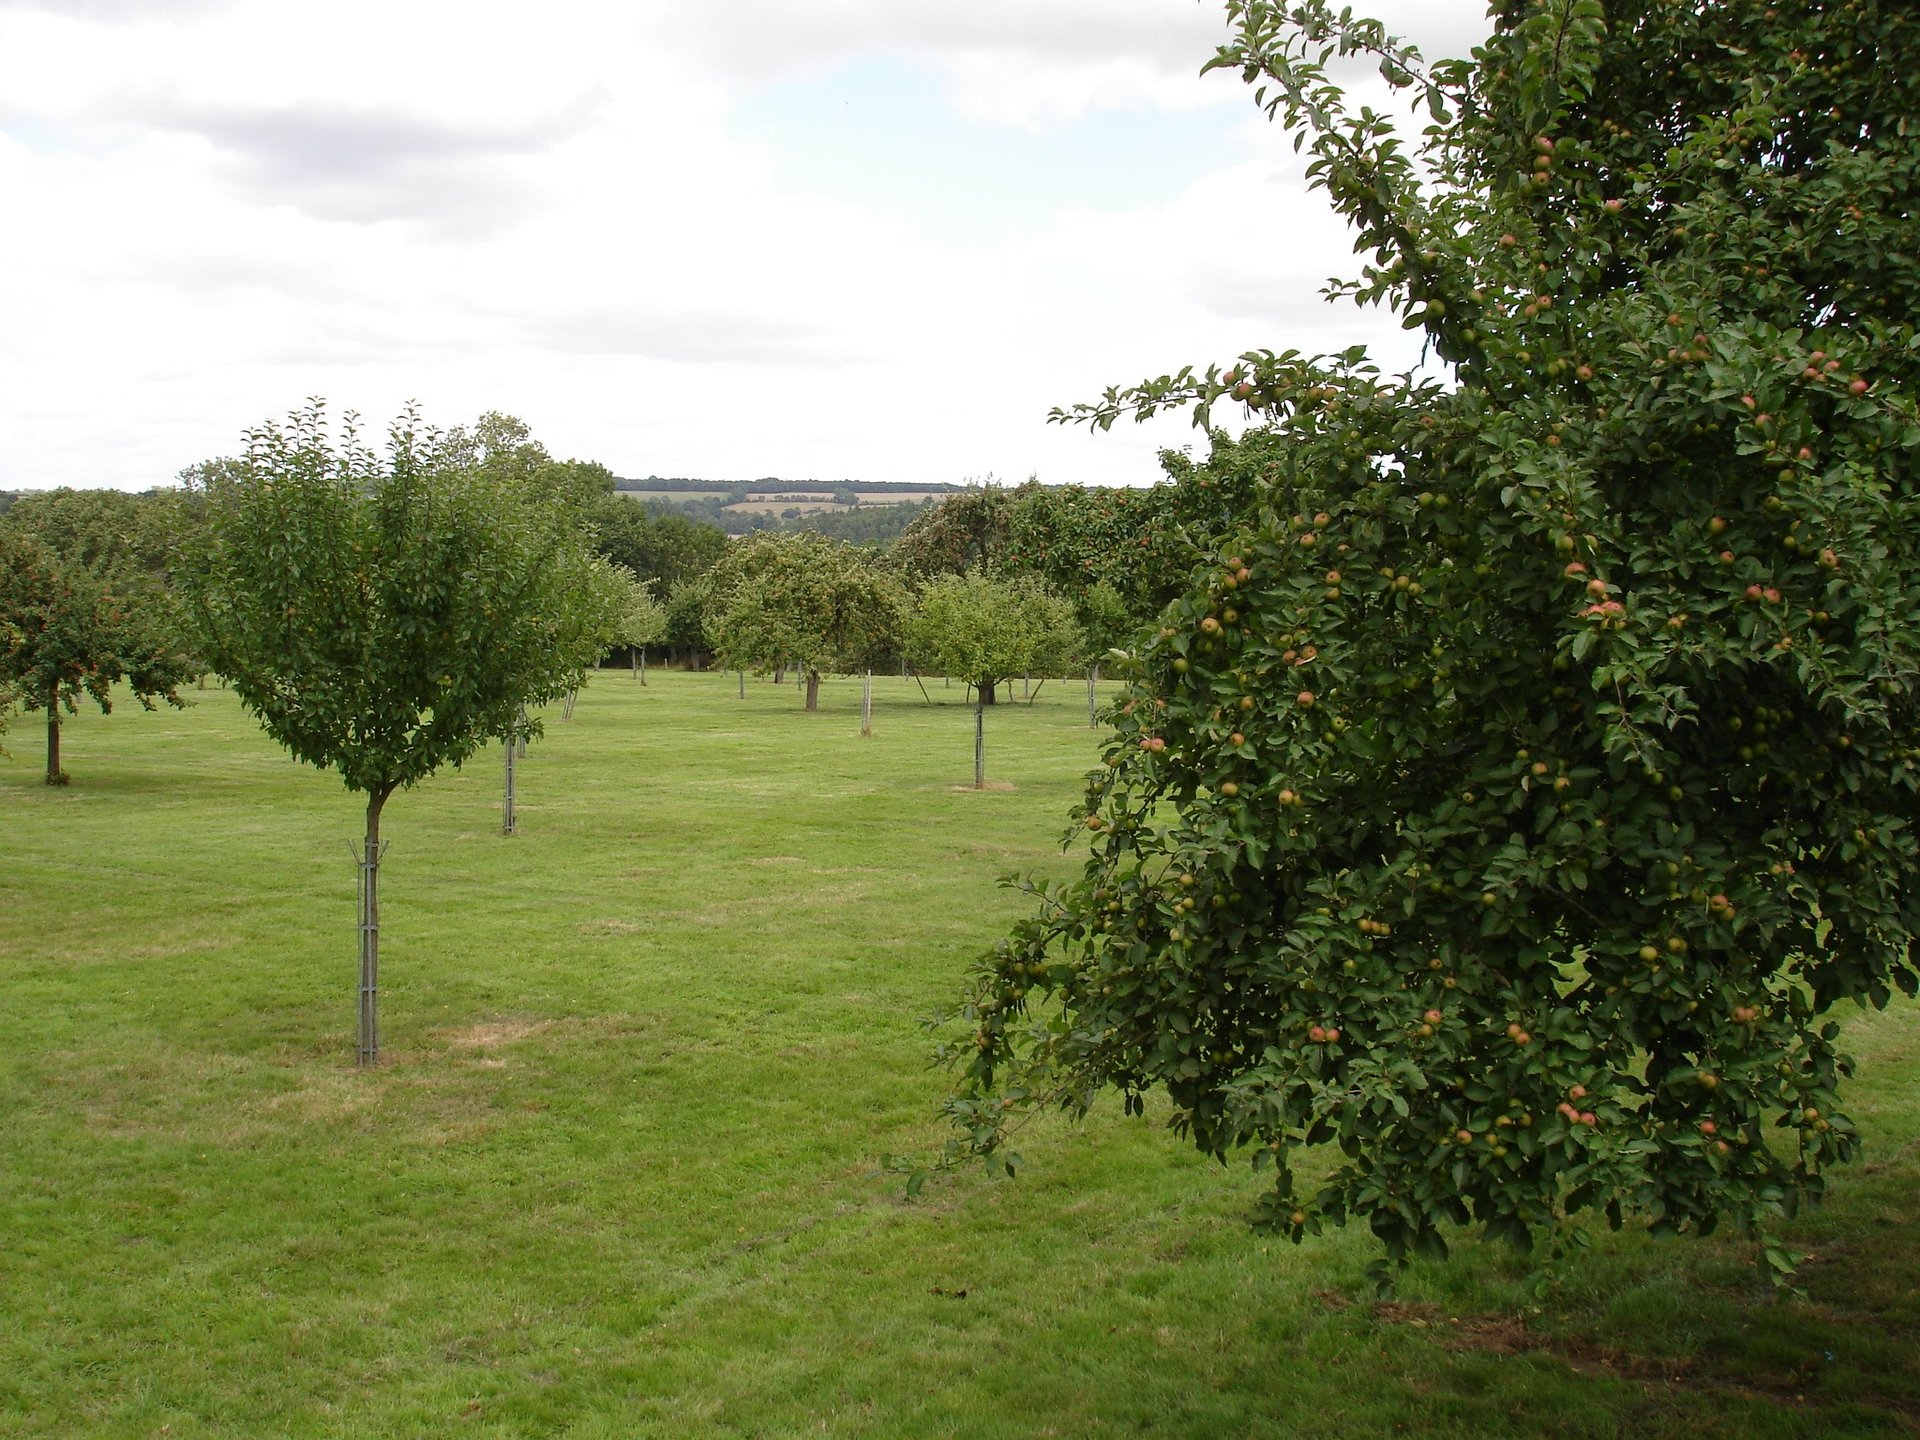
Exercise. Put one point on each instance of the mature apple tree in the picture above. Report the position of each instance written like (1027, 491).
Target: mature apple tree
(1529, 770)
(68, 631)
(984, 631)
(797, 599)
(385, 614)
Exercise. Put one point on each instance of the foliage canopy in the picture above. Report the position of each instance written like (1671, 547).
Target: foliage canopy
(68, 630)
(797, 599)
(385, 615)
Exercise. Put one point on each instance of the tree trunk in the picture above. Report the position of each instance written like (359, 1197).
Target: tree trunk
(743, 684)
(980, 739)
(55, 775)
(643, 664)
(370, 932)
(780, 674)
(985, 691)
(813, 690)
(633, 661)
(1093, 710)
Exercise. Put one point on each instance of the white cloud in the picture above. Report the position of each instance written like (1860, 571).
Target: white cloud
(220, 209)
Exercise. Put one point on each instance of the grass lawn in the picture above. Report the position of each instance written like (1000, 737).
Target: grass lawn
(619, 1175)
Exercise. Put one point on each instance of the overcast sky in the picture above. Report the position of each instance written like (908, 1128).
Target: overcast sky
(863, 239)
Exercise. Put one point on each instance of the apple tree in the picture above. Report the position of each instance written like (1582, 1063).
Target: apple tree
(983, 631)
(1528, 770)
(384, 615)
(795, 598)
(67, 631)
(642, 621)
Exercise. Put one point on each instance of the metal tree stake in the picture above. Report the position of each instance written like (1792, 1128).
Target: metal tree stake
(368, 857)
(506, 814)
(979, 739)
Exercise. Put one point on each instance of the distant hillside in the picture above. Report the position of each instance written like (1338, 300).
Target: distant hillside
(871, 512)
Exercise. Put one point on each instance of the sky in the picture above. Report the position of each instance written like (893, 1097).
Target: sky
(868, 240)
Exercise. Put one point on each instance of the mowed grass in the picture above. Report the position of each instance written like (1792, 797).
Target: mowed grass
(620, 1173)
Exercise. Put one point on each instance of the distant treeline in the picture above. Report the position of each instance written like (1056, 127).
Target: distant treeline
(776, 483)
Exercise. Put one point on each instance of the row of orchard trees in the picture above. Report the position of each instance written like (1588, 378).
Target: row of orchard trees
(818, 606)
(93, 582)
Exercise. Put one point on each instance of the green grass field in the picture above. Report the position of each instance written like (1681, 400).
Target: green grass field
(620, 1174)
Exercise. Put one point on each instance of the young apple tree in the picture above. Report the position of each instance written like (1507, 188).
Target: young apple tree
(642, 621)
(1530, 771)
(984, 631)
(384, 615)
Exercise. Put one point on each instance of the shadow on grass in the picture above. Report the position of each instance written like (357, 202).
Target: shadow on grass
(1682, 1338)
